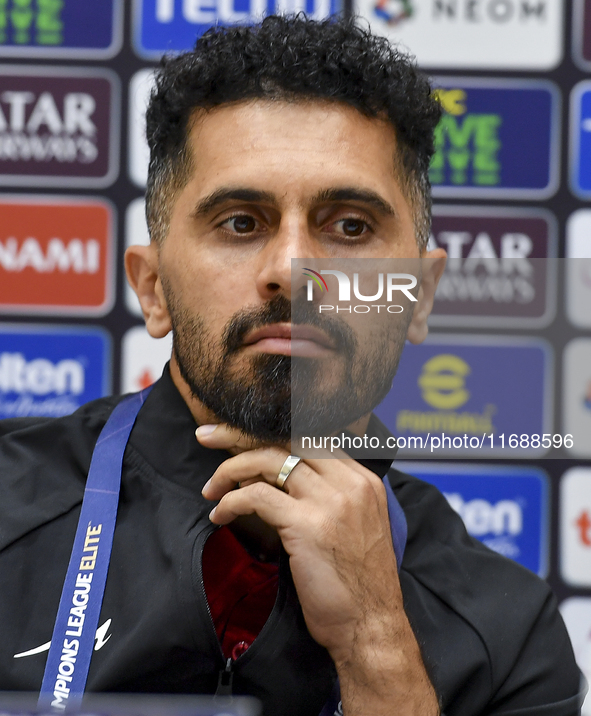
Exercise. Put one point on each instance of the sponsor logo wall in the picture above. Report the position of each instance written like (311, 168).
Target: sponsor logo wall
(581, 139)
(498, 271)
(510, 349)
(506, 508)
(61, 28)
(58, 126)
(50, 370)
(475, 386)
(497, 138)
(483, 34)
(56, 255)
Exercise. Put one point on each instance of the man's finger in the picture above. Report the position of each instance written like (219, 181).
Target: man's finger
(223, 437)
(263, 464)
(273, 506)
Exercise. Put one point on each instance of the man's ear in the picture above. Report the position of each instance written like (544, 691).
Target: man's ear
(142, 269)
(432, 269)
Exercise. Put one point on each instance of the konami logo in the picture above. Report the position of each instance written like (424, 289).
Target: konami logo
(55, 256)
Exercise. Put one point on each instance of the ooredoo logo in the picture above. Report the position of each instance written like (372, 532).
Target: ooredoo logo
(58, 126)
(56, 256)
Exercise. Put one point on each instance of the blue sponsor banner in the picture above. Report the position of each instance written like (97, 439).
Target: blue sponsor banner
(506, 508)
(497, 138)
(581, 140)
(51, 371)
(82, 29)
(174, 25)
(471, 394)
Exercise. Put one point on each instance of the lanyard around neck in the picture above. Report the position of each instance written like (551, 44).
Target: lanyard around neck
(72, 642)
(78, 613)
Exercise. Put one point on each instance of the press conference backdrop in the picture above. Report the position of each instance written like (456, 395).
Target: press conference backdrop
(511, 179)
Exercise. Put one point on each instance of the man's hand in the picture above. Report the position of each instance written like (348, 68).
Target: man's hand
(333, 522)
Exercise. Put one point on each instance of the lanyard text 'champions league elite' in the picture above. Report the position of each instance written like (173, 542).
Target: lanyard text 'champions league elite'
(72, 642)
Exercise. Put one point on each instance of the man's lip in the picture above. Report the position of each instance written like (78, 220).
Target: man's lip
(298, 331)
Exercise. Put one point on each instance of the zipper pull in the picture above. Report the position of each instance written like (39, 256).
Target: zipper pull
(225, 677)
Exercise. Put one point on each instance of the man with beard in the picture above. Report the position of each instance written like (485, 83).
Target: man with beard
(288, 139)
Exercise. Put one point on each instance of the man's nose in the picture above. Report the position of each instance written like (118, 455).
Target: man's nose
(293, 240)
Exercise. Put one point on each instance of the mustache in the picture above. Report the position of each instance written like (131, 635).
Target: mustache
(280, 310)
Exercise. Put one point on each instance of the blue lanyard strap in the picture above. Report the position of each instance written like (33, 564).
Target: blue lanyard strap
(72, 642)
(73, 636)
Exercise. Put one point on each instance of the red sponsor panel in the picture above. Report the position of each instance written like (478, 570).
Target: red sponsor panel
(56, 256)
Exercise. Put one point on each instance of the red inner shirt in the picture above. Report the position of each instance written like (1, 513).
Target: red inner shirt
(240, 590)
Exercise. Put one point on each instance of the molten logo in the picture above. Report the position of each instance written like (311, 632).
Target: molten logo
(55, 256)
(40, 376)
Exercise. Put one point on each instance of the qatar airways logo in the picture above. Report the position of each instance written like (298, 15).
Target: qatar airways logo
(388, 286)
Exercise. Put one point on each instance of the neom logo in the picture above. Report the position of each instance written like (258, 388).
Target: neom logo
(55, 257)
(497, 11)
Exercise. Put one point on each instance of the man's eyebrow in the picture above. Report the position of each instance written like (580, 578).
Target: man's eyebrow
(364, 196)
(221, 196)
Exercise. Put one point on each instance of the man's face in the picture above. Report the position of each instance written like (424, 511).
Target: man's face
(274, 181)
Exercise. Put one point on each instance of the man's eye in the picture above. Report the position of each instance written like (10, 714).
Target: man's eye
(241, 224)
(351, 227)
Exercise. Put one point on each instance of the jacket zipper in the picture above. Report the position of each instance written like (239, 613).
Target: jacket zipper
(225, 675)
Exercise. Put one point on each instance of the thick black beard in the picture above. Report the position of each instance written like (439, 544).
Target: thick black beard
(279, 398)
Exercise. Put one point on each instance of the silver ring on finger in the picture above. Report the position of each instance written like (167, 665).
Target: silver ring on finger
(290, 462)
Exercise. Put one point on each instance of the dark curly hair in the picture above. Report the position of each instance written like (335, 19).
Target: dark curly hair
(290, 58)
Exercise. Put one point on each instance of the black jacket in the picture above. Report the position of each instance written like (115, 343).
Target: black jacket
(491, 636)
